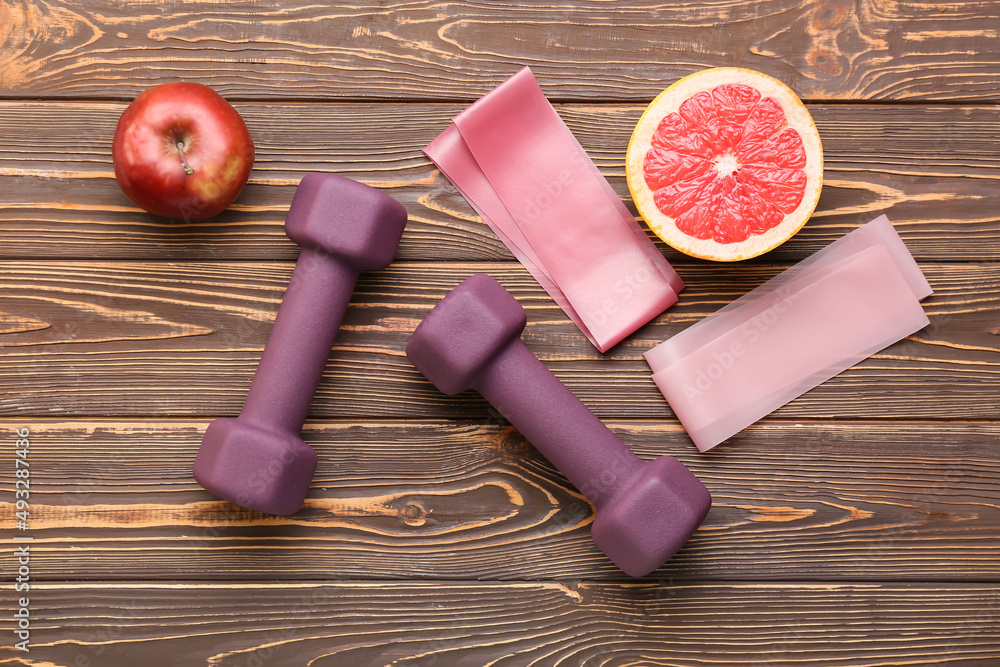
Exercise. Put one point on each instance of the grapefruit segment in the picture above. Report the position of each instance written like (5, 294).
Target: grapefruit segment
(676, 134)
(679, 196)
(784, 149)
(665, 167)
(735, 102)
(725, 164)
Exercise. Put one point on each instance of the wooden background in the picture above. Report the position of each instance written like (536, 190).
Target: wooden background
(858, 525)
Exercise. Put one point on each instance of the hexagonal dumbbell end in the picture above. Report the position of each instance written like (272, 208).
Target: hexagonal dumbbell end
(255, 466)
(258, 459)
(645, 509)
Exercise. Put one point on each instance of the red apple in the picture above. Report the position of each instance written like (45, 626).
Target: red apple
(182, 151)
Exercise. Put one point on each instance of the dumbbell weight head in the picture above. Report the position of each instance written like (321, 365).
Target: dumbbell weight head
(346, 219)
(254, 466)
(465, 332)
(644, 526)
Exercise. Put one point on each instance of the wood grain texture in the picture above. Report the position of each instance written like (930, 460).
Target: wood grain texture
(587, 50)
(185, 340)
(515, 625)
(936, 174)
(472, 500)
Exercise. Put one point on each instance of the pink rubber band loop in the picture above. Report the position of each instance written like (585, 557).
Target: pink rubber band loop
(452, 156)
(799, 329)
(515, 160)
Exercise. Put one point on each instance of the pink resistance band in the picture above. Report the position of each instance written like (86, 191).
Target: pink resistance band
(823, 315)
(516, 162)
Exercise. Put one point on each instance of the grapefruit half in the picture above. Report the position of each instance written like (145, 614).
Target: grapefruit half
(725, 164)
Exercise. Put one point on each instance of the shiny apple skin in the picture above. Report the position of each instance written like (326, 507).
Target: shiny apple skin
(215, 143)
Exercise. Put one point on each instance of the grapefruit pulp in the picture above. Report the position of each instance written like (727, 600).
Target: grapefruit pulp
(725, 164)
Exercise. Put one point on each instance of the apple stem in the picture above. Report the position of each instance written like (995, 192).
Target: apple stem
(187, 168)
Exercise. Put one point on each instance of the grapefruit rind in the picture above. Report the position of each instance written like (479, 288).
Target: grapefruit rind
(669, 101)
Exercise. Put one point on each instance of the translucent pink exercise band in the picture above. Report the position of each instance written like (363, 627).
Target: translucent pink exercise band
(823, 315)
(516, 162)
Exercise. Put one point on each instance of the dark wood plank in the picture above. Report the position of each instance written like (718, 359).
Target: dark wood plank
(459, 50)
(185, 340)
(473, 500)
(934, 174)
(526, 624)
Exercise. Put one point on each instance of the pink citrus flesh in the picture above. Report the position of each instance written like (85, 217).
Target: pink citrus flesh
(726, 164)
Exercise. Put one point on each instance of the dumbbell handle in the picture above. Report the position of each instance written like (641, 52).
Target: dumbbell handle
(557, 423)
(298, 347)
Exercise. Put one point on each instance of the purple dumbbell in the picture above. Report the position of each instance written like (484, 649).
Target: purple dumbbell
(259, 460)
(646, 510)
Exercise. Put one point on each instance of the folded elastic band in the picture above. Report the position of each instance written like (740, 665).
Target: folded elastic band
(519, 166)
(797, 330)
